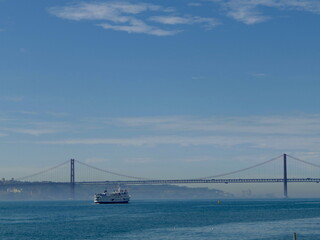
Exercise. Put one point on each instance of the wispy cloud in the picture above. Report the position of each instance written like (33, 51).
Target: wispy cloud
(258, 75)
(261, 142)
(28, 123)
(26, 112)
(171, 20)
(194, 4)
(300, 125)
(297, 133)
(207, 23)
(251, 11)
(120, 12)
(11, 98)
(157, 20)
(57, 114)
(276, 132)
(34, 132)
(130, 17)
(138, 26)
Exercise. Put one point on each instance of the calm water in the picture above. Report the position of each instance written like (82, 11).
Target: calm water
(231, 220)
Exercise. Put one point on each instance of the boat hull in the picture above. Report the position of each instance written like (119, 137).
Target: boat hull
(112, 202)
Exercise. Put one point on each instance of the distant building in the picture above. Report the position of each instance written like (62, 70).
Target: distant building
(14, 190)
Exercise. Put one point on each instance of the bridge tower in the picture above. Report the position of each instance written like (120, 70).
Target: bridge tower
(72, 182)
(285, 180)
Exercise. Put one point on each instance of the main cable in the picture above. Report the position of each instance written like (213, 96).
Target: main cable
(43, 171)
(113, 173)
(300, 160)
(241, 170)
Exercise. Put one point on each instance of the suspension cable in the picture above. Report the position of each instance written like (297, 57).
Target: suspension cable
(113, 173)
(241, 170)
(43, 171)
(300, 160)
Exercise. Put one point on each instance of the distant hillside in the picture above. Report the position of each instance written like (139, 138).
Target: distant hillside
(55, 191)
(174, 192)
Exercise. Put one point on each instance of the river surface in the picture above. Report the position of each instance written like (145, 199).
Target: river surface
(194, 219)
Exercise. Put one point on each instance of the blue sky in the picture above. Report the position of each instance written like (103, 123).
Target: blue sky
(158, 88)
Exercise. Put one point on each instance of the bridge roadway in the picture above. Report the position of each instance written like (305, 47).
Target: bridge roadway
(177, 181)
(184, 181)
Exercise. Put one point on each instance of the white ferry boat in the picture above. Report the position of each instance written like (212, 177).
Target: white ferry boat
(117, 196)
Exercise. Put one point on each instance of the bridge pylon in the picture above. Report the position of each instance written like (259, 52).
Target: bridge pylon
(285, 179)
(72, 182)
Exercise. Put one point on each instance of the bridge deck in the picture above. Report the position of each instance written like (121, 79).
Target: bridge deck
(229, 180)
(176, 181)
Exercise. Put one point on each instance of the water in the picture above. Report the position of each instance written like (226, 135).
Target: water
(230, 220)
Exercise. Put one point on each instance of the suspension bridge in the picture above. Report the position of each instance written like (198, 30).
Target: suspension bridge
(279, 175)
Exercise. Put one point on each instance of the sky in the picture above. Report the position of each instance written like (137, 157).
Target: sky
(161, 89)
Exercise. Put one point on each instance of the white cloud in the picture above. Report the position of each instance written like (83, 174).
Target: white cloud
(245, 11)
(208, 23)
(194, 4)
(159, 21)
(137, 26)
(119, 12)
(120, 16)
(172, 20)
(251, 11)
(128, 17)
